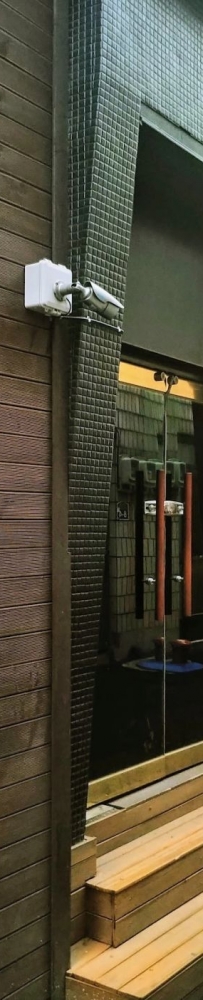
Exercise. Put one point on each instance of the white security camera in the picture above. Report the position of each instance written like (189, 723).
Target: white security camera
(101, 301)
(92, 295)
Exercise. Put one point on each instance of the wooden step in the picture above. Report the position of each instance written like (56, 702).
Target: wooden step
(145, 809)
(143, 881)
(165, 961)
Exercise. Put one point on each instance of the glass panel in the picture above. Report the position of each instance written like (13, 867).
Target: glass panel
(184, 625)
(149, 680)
(128, 724)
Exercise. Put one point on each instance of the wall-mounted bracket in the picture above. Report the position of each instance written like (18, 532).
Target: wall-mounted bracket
(172, 508)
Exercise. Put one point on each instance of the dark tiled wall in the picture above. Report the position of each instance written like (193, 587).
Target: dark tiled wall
(119, 53)
(105, 102)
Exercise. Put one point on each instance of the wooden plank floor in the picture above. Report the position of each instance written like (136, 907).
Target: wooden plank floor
(169, 954)
(137, 813)
(137, 859)
(150, 869)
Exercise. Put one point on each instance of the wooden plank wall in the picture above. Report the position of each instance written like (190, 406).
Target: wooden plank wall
(83, 867)
(25, 503)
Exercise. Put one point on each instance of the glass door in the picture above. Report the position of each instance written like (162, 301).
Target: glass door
(149, 679)
(184, 572)
(129, 706)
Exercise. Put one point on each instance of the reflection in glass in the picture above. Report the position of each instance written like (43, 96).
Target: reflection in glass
(149, 681)
(128, 722)
(184, 626)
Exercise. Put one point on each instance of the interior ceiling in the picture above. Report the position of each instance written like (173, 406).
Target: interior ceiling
(168, 187)
(164, 295)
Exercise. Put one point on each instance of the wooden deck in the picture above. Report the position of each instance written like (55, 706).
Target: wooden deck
(144, 918)
(142, 881)
(145, 809)
(146, 965)
(120, 822)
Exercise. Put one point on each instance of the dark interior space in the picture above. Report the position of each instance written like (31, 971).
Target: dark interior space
(143, 705)
(148, 695)
(164, 294)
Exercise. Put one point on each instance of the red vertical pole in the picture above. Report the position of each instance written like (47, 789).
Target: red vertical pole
(160, 546)
(187, 547)
(139, 546)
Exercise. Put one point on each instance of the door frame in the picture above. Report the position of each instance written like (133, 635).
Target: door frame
(112, 786)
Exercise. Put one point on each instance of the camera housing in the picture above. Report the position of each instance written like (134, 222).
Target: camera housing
(93, 297)
(101, 301)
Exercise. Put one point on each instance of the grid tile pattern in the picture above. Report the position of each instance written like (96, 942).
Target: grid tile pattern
(172, 64)
(105, 102)
(120, 53)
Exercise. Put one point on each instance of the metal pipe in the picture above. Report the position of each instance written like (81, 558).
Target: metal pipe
(94, 322)
(61, 290)
(160, 546)
(187, 547)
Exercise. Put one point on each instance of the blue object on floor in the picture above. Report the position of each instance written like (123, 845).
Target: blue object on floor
(171, 668)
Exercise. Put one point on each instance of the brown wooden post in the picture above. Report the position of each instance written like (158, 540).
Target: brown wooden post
(139, 545)
(61, 584)
(168, 563)
(60, 882)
